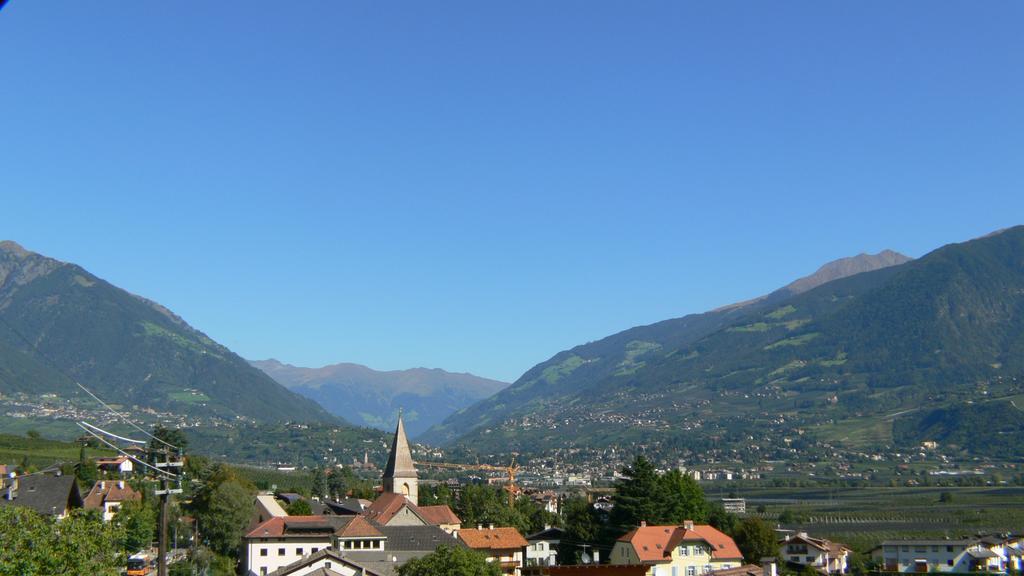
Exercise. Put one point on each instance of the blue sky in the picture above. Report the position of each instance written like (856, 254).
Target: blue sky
(478, 185)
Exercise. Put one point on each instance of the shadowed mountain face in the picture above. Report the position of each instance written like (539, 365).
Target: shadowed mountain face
(58, 322)
(366, 396)
(569, 373)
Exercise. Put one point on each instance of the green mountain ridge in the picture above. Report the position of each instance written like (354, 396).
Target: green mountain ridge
(829, 365)
(60, 323)
(627, 351)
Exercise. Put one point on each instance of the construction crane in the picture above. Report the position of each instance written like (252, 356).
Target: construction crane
(510, 473)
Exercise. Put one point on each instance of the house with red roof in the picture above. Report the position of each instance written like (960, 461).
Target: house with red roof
(686, 550)
(108, 497)
(506, 546)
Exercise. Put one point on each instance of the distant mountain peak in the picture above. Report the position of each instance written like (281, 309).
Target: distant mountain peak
(14, 248)
(844, 267)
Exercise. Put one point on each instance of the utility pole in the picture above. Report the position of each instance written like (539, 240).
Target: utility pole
(164, 493)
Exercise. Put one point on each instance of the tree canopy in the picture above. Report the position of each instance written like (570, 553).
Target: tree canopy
(644, 495)
(79, 544)
(756, 539)
(450, 561)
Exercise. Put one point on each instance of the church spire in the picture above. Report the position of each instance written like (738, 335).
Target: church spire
(400, 475)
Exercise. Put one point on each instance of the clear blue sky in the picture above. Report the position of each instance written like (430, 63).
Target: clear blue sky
(478, 185)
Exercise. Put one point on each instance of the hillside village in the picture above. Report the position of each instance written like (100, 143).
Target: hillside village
(291, 534)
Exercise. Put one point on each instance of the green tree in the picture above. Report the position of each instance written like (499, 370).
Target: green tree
(946, 497)
(638, 496)
(222, 507)
(138, 523)
(582, 526)
(684, 499)
(338, 482)
(450, 561)
(86, 471)
(299, 508)
(756, 540)
(79, 544)
(172, 436)
(318, 487)
(719, 518)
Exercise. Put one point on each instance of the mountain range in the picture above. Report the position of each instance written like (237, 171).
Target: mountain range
(866, 352)
(60, 324)
(373, 398)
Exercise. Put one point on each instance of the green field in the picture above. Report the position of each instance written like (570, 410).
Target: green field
(41, 452)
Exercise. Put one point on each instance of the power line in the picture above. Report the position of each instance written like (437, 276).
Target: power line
(123, 453)
(59, 370)
(112, 435)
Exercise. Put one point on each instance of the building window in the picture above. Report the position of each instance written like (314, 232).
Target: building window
(313, 550)
(298, 551)
(675, 571)
(691, 571)
(949, 548)
(684, 550)
(280, 551)
(263, 551)
(949, 562)
(263, 571)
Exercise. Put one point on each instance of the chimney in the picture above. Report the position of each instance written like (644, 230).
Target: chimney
(768, 567)
(479, 526)
(103, 485)
(490, 526)
(688, 524)
(801, 534)
(120, 484)
(643, 523)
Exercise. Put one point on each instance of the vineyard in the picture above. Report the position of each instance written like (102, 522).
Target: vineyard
(863, 517)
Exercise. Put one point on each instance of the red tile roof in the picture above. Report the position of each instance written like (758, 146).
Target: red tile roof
(493, 538)
(384, 508)
(655, 543)
(440, 514)
(107, 491)
(279, 526)
(359, 527)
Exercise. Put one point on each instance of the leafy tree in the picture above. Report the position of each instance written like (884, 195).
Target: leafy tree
(79, 544)
(138, 524)
(582, 526)
(435, 495)
(86, 471)
(339, 482)
(173, 436)
(644, 495)
(756, 539)
(299, 508)
(450, 561)
(719, 518)
(684, 498)
(638, 496)
(222, 507)
(33, 434)
(319, 484)
(946, 497)
(481, 504)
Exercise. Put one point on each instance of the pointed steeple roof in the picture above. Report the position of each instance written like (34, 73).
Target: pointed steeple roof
(400, 463)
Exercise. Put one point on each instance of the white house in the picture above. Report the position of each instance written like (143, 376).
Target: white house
(823, 555)
(326, 562)
(963, 555)
(108, 497)
(543, 547)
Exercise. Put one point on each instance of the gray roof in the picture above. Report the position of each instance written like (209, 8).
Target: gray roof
(416, 538)
(345, 506)
(46, 494)
(400, 463)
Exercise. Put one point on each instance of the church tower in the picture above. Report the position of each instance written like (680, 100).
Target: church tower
(400, 474)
